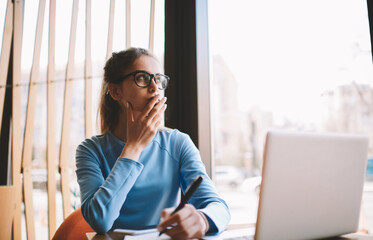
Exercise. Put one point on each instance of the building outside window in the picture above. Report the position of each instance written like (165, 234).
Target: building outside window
(299, 65)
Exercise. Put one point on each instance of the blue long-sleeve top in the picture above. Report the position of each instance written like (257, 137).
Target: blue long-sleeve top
(118, 192)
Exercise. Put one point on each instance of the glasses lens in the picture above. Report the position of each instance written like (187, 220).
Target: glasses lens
(143, 79)
(161, 81)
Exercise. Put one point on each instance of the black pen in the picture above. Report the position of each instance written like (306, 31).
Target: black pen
(188, 194)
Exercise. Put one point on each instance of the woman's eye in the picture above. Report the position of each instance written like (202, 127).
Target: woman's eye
(142, 78)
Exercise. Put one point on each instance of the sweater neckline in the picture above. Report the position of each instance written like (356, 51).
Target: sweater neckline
(116, 138)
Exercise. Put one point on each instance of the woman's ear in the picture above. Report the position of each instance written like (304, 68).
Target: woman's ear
(114, 91)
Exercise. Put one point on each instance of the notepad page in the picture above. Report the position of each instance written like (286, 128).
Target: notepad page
(147, 236)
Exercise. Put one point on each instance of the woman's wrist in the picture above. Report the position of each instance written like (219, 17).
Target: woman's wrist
(207, 225)
(131, 151)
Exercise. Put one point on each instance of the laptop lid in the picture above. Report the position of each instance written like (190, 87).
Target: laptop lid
(312, 185)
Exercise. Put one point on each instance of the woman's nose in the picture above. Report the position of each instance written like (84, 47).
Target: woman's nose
(153, 86)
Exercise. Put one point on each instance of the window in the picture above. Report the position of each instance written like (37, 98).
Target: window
(302, 65)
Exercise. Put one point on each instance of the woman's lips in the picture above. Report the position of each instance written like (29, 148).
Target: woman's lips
(156, 96)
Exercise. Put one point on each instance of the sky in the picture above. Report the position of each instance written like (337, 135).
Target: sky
(284, 54)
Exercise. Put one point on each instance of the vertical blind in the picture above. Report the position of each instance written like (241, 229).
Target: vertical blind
(26, 84)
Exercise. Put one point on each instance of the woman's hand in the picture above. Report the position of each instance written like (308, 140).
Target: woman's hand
(142, 129)
(186, 223)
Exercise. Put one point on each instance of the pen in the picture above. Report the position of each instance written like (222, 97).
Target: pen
(188, 194)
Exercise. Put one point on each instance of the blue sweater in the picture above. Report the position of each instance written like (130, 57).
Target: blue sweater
(119, 192)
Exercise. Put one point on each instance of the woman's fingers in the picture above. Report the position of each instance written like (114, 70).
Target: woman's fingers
(157, 108)
(166, 212)
(149, 107)
(129, 111)
(177, 218)
(157, 119)
(153, 107)
(187, 223)
(170, 220)
(182, 228)
(153, 120)
(191, 232)
(141, 130)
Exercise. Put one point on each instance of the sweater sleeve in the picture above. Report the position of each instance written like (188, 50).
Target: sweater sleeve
(102, 198)
(206, 198)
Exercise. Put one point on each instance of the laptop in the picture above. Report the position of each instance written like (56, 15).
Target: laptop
(312, 185)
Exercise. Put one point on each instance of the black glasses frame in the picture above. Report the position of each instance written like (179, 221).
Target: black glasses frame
(142, 71)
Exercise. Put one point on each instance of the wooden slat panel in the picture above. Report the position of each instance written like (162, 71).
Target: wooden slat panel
(88, 72)
(109, 49)
(51, 148)
(5, 53)
(7, 201)
(16, 116)
(64, 147)
(151, 27)
(128, 23)
(29, 126)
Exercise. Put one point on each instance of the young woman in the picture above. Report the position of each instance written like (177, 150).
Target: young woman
(130, 175)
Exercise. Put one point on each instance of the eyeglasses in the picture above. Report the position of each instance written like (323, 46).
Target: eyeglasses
(143, 79)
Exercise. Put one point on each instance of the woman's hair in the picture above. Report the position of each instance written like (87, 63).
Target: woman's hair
(114, 68)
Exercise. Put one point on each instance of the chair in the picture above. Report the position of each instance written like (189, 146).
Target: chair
(74, 227)
(7, 209)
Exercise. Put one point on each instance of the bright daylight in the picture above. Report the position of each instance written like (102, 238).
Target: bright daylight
(304, 67)
(163, 119)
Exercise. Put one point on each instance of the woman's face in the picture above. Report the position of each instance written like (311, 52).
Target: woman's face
(139, 97)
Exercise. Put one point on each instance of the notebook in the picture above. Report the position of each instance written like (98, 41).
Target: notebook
(312, 185)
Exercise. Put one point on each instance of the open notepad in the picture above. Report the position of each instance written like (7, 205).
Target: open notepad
(153, 233)
(142, 234)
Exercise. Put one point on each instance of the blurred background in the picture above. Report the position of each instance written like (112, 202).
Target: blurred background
(292, 64)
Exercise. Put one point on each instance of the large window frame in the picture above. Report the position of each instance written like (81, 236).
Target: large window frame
(205, 123)
(187, 63)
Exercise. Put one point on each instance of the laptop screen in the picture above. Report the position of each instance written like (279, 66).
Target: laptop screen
(312, 185)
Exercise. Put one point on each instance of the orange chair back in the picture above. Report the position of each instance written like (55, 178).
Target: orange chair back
(74, 227)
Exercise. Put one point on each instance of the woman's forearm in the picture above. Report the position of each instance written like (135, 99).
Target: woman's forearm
(131, 151)
(102, 207)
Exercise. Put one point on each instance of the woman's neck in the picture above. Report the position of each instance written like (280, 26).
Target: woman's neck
(121, 129)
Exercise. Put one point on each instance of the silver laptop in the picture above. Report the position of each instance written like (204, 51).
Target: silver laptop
(312, 185)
